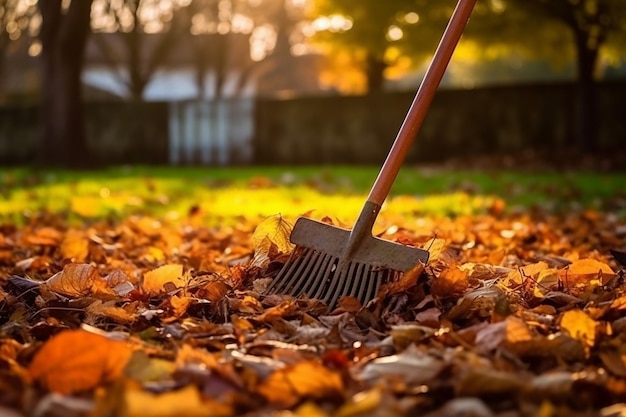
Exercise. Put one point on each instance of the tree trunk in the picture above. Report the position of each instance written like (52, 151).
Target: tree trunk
(587, 117)
(63, 37)
(375, 73)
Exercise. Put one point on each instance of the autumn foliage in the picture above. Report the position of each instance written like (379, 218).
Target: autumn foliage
(514, 315)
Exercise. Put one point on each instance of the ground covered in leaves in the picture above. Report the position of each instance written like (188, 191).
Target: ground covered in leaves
(516, 314)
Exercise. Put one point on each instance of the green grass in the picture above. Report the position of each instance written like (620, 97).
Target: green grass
(222, 194)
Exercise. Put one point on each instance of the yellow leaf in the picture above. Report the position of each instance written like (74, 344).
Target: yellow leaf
(78, 360)
(520, 275)
(154, 280)
(580, 326)
(142, 367)
(308, 379)
(75, 246)
(76, 280)
(273, 230)
(310, 409)
(184, 402)
(361, 404)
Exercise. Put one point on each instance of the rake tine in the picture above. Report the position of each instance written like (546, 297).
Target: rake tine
(282, 283)
(305, 281)
(319, 277)
(354, 284)
(367, 290)
(339, 288)
(300, 275)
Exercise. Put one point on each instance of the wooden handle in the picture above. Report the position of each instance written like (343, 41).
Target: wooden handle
(421, 102)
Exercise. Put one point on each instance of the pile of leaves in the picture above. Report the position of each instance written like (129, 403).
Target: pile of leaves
(514, 315)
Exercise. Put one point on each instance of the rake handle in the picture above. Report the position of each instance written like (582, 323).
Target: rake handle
(421, 102)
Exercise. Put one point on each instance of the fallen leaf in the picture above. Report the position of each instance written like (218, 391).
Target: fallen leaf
(111, 311)
(361, 403)
(273, 230)
(476, 382)
(411, 365)
(308, 379)
(75, 280)
(510, 331)
(78, 360)
(278, 312)
(586, 271)
(407, 281)
(183, 402)
(75, 246)
(450, 283)
(580, 326)
(153, 281)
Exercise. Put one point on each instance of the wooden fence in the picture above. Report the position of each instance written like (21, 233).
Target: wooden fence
(329, 129)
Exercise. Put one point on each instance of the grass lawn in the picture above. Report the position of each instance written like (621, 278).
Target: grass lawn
(223, 194)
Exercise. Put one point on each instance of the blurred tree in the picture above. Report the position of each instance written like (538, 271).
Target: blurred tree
(590, 23)
(377, 35)
(65, 26)
(139, 38)
(560, 31)
(217, 25)
(16, 18)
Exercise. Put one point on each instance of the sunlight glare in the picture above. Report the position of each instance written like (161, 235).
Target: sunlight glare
(394, 33)
(34, 49)
(411, 18)
(333, 23)
(262, 40)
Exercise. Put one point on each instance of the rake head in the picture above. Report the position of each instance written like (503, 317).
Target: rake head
(329, 263)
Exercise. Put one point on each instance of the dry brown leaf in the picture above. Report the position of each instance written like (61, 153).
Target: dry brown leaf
(75, 280)
(452, 282)
(153, 281)
(475, 382)
(214, 290)
(308, 379)
(349, 304)
(110, 310)
(278, 312)
(411, 366)
(509, 331)
(407, 281)
(78, 360)
(179, 305)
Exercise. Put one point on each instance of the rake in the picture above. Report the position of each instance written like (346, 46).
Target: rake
(330, 262)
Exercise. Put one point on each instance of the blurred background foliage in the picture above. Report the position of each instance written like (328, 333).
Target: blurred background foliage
(56, 52)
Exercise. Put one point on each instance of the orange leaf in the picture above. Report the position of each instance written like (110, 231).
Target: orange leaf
(308, 379)
(451, 282)
(584, 271)
(580, 326)
(75, 246)
(78, 360)
(154, 280)
(278, 312)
